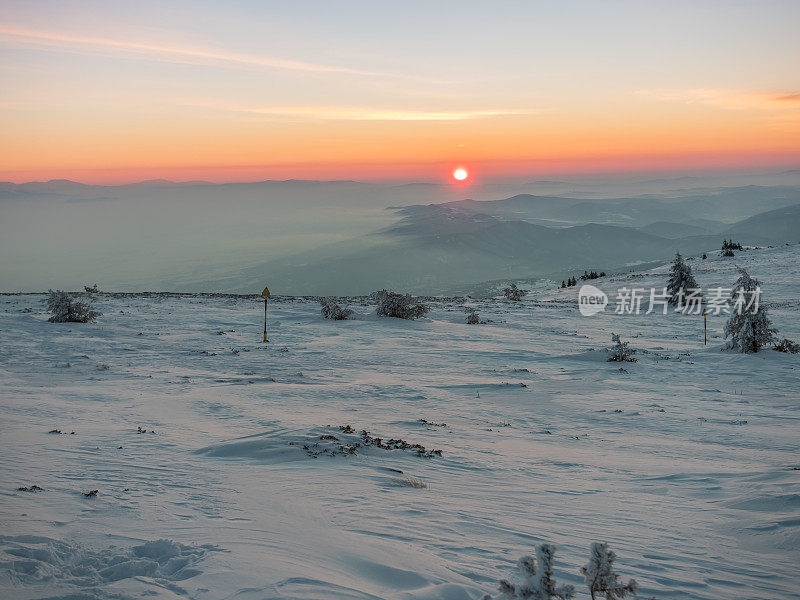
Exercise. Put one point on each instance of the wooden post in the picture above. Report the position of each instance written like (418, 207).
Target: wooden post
(705, 327)
(266, 295)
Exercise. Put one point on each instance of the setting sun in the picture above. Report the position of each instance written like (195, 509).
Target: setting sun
(460, 174)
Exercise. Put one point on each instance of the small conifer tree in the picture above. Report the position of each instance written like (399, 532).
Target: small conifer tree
(536, 580)
(600, 576)
(512, 292)
(680, 281)
(749, 327)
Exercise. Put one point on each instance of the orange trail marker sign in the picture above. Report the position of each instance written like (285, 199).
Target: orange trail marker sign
(266, 295)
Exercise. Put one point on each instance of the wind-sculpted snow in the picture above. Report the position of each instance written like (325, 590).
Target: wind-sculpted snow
(40, 563)
(207, 448)
(330, 442)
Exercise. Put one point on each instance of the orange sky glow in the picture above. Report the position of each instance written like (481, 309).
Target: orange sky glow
(114, 99)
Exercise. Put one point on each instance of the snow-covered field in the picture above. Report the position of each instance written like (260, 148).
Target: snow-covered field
(686, 461)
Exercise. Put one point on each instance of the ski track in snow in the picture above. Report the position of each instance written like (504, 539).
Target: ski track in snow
(685, 463)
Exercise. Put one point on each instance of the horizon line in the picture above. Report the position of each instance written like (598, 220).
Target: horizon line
(677, 174)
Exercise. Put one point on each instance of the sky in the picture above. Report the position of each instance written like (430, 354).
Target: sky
(115, 92)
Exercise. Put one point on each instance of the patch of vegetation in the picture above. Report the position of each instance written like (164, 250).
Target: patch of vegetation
(514, 293)
(536, 580)
(66, 309)
(30, 488)
(788, 346)
(472, 316)
(731, 245)
(408, 481)
(620, 351)
(401, 306)
(332, 445)
(331, 310)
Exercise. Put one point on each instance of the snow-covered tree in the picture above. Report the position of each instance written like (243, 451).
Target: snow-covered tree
(331, 310)
(402, 306)
(680, 281)
(620, 351)
(472, 316)
(65, 309)
(536, 580)
(512, 292)
(600, 576)
(749, 327)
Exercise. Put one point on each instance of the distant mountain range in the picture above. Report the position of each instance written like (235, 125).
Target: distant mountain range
(316, 237)
(444, 248)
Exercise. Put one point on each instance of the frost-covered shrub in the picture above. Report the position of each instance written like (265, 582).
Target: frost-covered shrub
(600, 576)
(788, 346)
(66, 309)
(401, 306)
(472, 316)
(512, 292)
(680, 281)
(749, 327)
(536, 580)
(91, 289)
(620, 352)
(331, 310)
(407, 481)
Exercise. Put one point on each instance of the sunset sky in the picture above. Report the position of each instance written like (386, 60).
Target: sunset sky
(120, 92)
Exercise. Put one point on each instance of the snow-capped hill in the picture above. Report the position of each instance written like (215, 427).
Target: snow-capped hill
(774, 226)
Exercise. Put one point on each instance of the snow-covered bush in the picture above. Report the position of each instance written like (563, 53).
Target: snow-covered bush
(749, 326)
(620, 352)
(91, 289)
(600, 576)
(65, 309)
(402, 306)
(788, 346)
(331, 310)
(536, 580)
(472, 316)
(512, 292)
(680, 281)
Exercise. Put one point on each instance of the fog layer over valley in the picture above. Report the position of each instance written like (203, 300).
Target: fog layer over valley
(306, 237)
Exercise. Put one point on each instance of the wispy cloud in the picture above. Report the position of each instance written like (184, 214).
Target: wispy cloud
(178, 54)
(793, 97)
(723, 98)
(352, 113)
